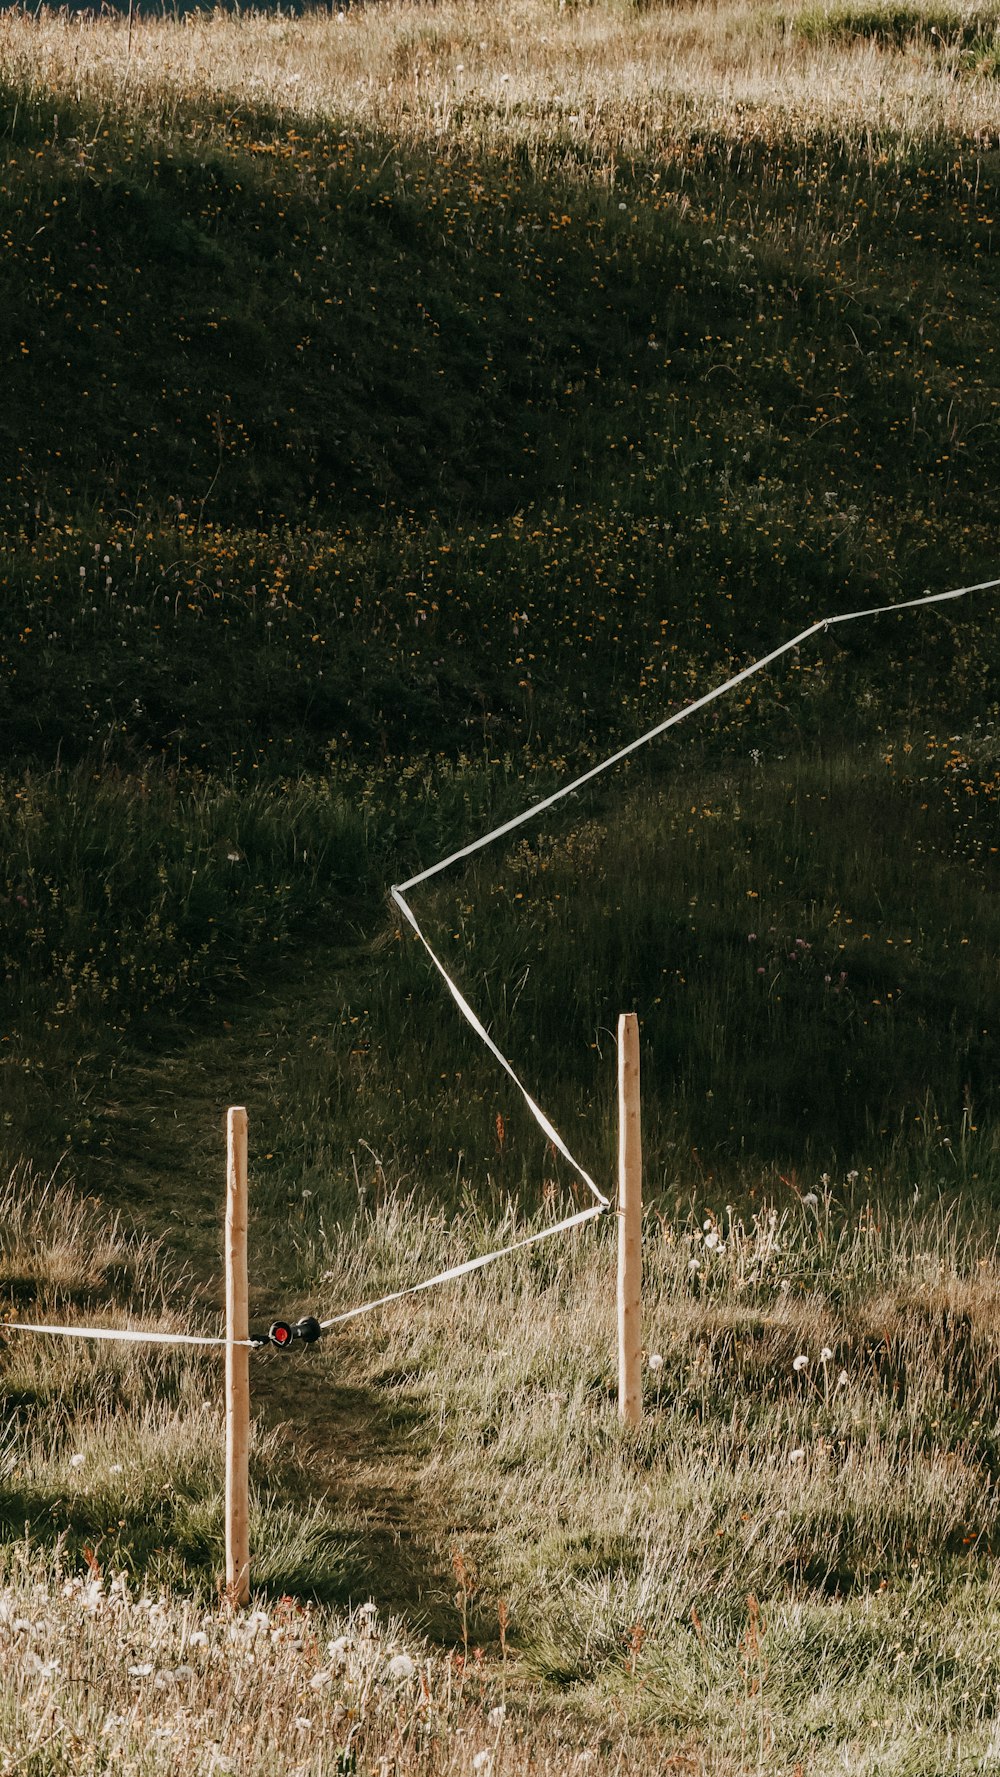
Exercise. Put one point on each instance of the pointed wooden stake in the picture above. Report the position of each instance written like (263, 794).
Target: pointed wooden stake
(629, 1223)
(237, 1363)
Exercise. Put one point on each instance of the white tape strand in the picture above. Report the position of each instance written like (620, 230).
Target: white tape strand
(926, 598)
(124, 1335)
(681, 715)
(140, 1336)
(535, 809)
(480, 1029)
(575, 1221)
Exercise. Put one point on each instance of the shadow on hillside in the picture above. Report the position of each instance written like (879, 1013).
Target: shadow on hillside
(269, 322)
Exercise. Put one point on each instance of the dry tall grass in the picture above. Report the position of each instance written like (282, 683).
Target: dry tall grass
(579, 85)
(104, 1676)
(788, 1568)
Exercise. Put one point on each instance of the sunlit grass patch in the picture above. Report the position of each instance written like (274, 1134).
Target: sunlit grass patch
(815, 1468)
(139, 1680)
(891, 25)
(58, 1248)
(118, 1446)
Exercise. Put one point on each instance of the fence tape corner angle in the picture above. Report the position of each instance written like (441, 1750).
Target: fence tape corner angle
(400, 890)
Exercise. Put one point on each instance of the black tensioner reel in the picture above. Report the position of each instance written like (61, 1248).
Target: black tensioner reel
(283, 1333)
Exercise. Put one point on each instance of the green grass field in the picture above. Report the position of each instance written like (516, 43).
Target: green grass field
(402, 410)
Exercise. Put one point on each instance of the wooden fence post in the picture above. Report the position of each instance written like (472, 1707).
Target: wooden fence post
(629, 1223)
(237, 1363)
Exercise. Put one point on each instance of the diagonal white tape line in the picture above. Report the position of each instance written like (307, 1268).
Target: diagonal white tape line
(584, 1215)
(536, 808)
(127, 1335)
(681, 715)
(480, 1029)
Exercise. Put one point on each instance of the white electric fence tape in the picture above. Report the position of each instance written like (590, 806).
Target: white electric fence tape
(129, 1335)
(480, 1029)
(138, 1336)
(399, 890)
(585, 1215)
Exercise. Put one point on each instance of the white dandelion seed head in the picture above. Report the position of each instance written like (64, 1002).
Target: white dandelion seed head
(655, 1361)
(825, 1355)
(801, 1362)
(401, 1666)
(796, 1455)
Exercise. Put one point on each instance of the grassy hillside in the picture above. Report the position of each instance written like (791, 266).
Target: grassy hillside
(401, 410)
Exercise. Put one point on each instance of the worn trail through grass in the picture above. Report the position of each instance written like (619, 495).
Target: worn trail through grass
(167, 1171)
